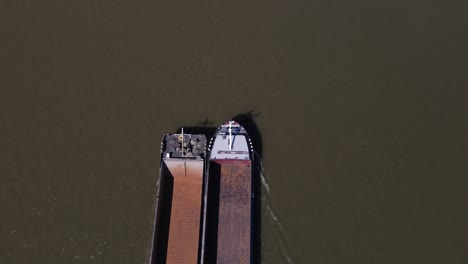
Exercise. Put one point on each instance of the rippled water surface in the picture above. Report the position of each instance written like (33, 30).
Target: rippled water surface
(362, 108)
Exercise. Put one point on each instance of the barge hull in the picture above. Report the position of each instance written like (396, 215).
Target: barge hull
(179, 202)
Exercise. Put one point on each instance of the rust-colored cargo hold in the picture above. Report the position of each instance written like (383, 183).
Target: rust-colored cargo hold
(234, 219)
(185, 211)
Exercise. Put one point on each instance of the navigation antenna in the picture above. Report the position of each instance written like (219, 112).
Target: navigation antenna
(230, 135)
(182, 146)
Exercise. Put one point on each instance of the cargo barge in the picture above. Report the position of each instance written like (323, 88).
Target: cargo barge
(229, 198)
(177, 235)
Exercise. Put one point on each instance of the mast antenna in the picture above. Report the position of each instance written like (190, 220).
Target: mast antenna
(182, 148)
(230, 135)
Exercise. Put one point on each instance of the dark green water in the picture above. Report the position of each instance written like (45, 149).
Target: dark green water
(362, 108)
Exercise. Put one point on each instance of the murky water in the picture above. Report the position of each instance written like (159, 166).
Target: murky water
(361, 106)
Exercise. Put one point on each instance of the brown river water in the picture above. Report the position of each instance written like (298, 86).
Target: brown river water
(362, 109)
